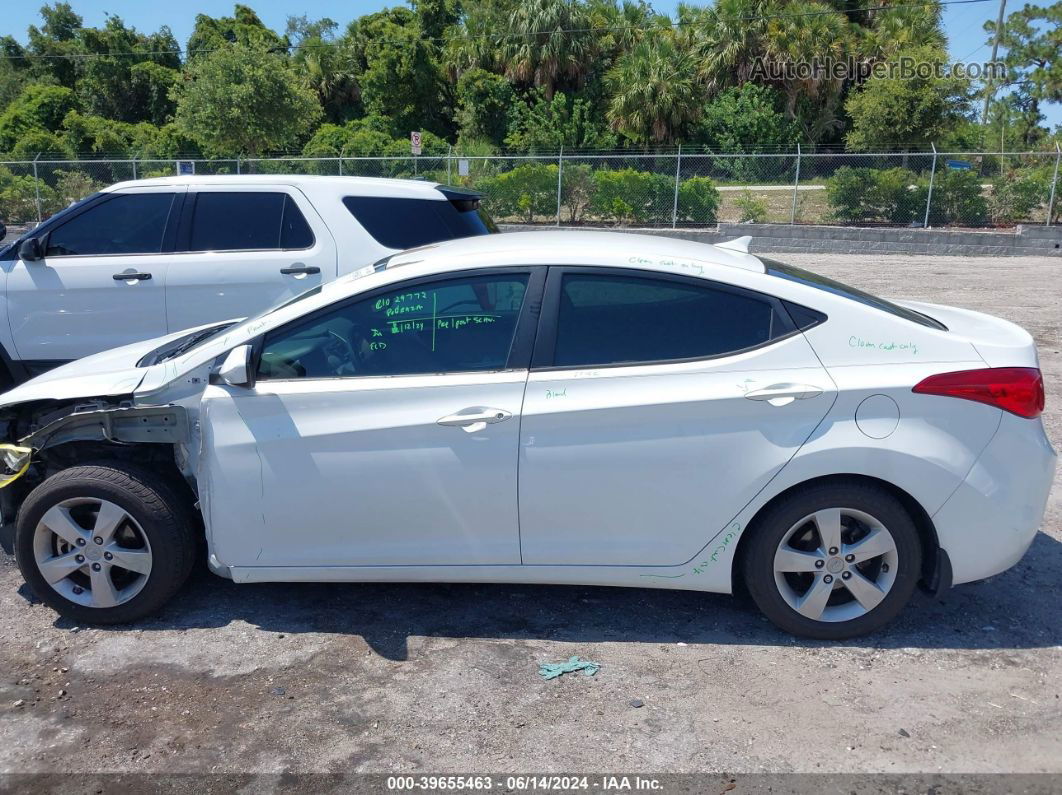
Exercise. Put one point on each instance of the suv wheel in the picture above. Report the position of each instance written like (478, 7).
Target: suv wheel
(104, 544)
(833, 561)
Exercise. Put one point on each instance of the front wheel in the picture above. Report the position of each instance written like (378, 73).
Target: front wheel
(104, 544)
(833, 561)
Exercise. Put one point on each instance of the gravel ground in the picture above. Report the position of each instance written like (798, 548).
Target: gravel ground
(414, 678)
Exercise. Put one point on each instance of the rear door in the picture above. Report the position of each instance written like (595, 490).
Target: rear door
(657, 407)
(243, 248)
(101, 283)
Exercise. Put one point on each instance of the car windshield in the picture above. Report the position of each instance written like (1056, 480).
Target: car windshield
(820, 282)
(197, 339)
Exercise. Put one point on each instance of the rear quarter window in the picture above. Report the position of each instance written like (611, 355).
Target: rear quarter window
(407, 223)
(820, 282)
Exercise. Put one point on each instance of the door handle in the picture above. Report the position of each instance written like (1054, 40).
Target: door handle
(784, 394)
(475, 419)
(300, 270)
(131, 277)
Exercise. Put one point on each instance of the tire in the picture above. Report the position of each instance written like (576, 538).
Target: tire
(154, 520)
(788, 554)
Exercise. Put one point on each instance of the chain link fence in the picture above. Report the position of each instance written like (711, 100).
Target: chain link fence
(672, 188)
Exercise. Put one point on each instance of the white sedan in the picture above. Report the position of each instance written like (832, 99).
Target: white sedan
(544, 407)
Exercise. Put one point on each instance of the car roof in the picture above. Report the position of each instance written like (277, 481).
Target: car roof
(577, 247)
(357, 186)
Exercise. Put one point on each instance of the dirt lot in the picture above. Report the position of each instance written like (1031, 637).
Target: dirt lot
(414, 678)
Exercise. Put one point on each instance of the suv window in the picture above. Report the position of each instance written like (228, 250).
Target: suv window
(457, 325)
(619, 319)
(247, 221)
(128, 223)
(408, 223)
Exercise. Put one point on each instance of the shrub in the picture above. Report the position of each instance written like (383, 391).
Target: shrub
(874, 195)
(577, 189)
(526, 191)
(753, 210)
(957, 199)
(698, 201)
(626, 195)
(848, 192)
(18, 197)
(1015, 195)
(72, 186)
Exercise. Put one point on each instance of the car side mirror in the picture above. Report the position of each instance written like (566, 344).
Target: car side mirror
(235, 370)
(29, 250)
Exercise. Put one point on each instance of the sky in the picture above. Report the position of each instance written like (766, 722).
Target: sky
(964, 24)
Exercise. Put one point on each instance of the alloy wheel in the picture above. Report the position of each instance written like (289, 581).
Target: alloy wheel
(836, 564)
(92, 552)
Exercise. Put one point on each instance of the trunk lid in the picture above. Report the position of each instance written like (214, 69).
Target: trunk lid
(999, 342)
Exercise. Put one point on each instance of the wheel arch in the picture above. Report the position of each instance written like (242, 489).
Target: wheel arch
(936, 569)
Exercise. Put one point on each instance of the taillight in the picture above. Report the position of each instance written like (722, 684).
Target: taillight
(1019, 390)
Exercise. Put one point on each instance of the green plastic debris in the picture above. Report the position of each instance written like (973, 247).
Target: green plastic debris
(553, 670)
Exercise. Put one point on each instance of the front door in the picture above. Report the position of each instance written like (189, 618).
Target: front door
(663, 406)
(242, 249)
(381, 431)
(102, 280)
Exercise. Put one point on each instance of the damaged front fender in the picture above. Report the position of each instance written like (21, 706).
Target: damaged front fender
(120, 424)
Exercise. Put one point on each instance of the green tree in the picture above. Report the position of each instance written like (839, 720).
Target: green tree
(748, 118)
(656, 93)
(38, 107)
(399, 72)
(118, 85)
(546, 125)
(328, 66)
(242, 100)
(53, 44)
(1032, 37)
(728, 38)
(244, 28)
(893, 111)
(484, 101)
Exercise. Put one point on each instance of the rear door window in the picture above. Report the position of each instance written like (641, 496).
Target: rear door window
(612, 319)
(247, 221)
(129, 223)
(407, 223)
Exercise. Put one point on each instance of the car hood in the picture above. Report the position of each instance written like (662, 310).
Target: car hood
(113, 372)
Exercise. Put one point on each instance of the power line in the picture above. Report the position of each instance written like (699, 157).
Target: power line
(530, 34)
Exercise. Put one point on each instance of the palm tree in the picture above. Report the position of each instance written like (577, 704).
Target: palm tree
(656, 91)
(900, 29)
(728, 38)
(813, 34)
(547, 43)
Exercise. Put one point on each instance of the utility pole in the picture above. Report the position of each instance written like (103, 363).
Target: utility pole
(990, 88)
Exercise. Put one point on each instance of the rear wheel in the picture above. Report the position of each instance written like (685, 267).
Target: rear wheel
(833, 561)
(104, 544)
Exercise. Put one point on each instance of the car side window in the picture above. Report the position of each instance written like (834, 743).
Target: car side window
(128, 223)
(457, 325)
(608, 319)
(247, 221)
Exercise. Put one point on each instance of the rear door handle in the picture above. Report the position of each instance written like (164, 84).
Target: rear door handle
(784, 394)
(300, 269)
(472, 420)
(131, 277)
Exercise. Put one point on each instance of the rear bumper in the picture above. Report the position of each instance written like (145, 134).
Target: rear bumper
(986, 526)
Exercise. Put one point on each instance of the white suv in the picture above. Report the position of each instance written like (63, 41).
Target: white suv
(141, 259)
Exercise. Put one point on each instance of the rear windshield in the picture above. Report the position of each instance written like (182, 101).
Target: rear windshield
(811, 279)
(408, 223)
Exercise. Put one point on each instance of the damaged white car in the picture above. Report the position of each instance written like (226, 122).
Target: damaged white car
(543, 407)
